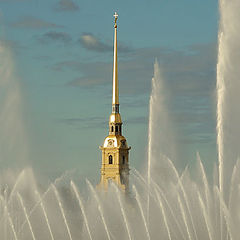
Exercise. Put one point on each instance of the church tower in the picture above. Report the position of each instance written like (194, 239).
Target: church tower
(115, 151)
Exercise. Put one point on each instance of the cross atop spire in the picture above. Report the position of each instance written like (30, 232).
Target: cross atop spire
(116, 16)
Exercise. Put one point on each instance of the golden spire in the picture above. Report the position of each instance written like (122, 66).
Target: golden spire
(115, 151)
(115, 98)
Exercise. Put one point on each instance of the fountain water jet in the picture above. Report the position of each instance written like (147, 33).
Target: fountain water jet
(159, 142)
(178, 207)
(228, 88)
(11, 223)
(13, 140)
(26, 215)
(99, 208)
(184, 217)
(159, 197)
(141, 210)
(123, 212)
(164, 215)
(45, 214)
(205, 217)
(62, 210)
(81, 207)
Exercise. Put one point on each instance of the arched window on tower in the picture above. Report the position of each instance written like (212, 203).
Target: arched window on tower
(110, 159)
(116, 128)
(112, 128)
(123, 160)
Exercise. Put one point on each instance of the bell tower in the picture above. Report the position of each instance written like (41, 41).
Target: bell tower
(115, 151)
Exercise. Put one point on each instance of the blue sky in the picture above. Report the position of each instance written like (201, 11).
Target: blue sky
(62, 52)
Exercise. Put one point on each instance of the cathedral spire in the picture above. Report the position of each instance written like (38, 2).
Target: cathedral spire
(115, 97)
(115, 150)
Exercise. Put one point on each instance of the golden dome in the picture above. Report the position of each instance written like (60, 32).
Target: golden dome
(115, 118)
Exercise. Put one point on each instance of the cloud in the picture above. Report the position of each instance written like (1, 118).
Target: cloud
(97, 122)
(189, 78)
(13, 45)
(86, 123)
(93, 74)
(137, 120)
(188, 72)
(14, 0)
(42, 58)
(92, 43)
(66, 5)
(33, 23)
(53, 36)
(87, 81)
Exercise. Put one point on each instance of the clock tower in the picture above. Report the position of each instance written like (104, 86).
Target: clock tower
(115, 151)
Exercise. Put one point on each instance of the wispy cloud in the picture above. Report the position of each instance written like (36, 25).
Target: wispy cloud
(87, 81)
(93, 43)
(13, 45)
(33, 23)
(187, 72)
(87, 122)
(14, 0)
(97, 122)
(90, 42)
(189, 82)
(66, 5)
(137, 120)
(53, 36)
(93, 74)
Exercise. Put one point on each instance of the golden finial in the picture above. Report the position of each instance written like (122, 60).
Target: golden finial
(116, 17)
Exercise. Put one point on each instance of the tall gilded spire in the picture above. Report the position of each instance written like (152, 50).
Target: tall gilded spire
(115, 97)
(115, 151)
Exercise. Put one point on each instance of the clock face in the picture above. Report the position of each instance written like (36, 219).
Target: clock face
(110, 142)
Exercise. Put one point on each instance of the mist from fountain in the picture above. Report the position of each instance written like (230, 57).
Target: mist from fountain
(163, 203)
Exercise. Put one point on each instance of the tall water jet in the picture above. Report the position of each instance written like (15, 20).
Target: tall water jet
(160, 137)
(228, 88)
(13, 143)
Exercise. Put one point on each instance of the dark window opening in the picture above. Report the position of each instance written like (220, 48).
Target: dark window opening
(123, 160)
(110, 159)
(120, 128)
(116, 128)
(112, 128)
